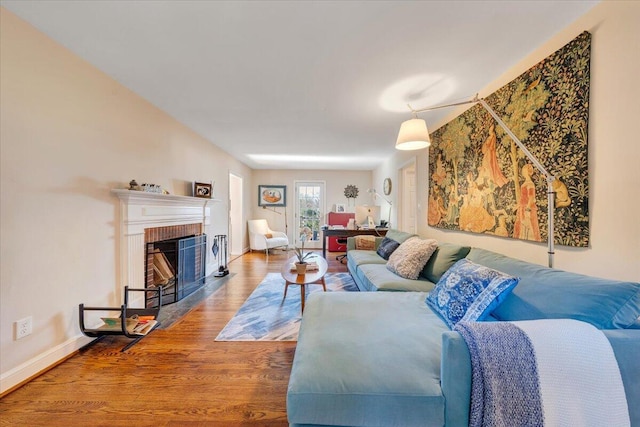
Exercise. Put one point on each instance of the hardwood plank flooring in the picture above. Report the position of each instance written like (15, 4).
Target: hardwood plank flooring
(178, 376)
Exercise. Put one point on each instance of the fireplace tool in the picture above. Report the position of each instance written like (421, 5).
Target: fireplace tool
(219, 250)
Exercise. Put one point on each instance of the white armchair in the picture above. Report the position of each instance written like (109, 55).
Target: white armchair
(262, 238)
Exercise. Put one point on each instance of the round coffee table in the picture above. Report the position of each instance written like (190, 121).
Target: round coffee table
(310, 277)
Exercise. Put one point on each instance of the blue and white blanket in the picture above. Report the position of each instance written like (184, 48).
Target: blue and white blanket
(558, 372)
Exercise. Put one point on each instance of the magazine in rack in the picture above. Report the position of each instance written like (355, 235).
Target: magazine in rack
(136, 325)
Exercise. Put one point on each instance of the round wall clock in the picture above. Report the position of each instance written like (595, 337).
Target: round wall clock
(386, 186)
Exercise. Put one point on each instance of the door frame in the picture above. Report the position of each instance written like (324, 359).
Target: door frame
(236, 220)
(405, 204)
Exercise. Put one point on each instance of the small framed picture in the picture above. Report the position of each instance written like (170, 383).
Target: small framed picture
(272, 195)
(201, 189)
(340, 208)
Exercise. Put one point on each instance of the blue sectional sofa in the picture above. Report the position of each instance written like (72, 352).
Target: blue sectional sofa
(370, 273)
(387, 359)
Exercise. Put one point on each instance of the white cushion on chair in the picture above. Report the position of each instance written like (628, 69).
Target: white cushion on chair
(276, 242)
(259, 233)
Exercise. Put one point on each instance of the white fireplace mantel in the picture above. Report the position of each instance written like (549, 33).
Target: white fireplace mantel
(140, 210)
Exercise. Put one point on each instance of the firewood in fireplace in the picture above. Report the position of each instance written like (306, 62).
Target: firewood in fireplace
(163, 271)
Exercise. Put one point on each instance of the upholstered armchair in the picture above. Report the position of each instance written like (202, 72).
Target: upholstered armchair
(262, 238)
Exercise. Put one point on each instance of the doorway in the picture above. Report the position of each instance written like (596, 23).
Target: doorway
(408, 198)
(310, 211)
(236, 223)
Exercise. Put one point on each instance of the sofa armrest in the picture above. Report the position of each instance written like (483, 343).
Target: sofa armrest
(455, 373)
(351, 242)
(455, 379)
(626, 347)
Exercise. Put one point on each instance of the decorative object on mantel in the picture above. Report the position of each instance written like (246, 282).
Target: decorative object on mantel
(152, 188)
(272, 195)
(147, 188)
(200, 189)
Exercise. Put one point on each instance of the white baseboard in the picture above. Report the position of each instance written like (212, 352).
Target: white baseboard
(41, 362)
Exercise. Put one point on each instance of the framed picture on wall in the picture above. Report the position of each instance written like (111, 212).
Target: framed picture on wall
(340, 208)
(272, 195)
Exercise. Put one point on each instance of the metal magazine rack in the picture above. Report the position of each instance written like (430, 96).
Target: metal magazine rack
(133, 323)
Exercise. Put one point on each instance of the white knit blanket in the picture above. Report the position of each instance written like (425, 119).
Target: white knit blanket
(557, 372)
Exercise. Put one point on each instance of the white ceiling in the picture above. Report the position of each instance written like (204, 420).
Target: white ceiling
(301, 84)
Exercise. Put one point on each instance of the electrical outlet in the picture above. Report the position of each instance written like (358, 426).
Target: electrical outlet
(24, 327)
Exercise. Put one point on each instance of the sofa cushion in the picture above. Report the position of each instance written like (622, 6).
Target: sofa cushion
(442, 259)
(469, 292)
(366, 243)
(351, 242)
(409, 259)
(387, 247)
(399, 236)
(373, 360)
(376, 277)
(554, 294)
(358, 257)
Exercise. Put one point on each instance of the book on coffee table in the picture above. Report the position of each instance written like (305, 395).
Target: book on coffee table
(311, 266)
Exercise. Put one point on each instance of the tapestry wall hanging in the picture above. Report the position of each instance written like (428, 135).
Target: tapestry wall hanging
(481, 182)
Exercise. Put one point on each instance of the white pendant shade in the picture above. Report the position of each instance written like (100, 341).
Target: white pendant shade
(413, 135)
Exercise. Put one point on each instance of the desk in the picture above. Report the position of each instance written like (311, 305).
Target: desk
(348, 233)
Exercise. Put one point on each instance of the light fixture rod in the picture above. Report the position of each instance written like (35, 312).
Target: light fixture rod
(376, 194)
(516, 140)
(549, 177)
(437, 107)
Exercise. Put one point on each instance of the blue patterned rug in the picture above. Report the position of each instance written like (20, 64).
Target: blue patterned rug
(266, 316)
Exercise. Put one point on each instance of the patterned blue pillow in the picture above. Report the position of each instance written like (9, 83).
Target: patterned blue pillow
(386, 248)
(469, 292)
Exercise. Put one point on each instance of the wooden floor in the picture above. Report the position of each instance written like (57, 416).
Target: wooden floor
(177, 376)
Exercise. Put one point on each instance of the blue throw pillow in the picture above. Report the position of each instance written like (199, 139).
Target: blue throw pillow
(386, 248)
(469, 292)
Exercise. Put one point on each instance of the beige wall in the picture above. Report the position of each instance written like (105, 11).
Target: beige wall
(69, 134)
(614, 175)
(335, 181)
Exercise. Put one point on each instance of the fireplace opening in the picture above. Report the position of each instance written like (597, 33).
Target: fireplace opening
(177, 266)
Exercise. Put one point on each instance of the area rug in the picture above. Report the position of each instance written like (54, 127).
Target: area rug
(267, 316)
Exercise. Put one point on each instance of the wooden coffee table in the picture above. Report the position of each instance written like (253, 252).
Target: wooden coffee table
(310, 277)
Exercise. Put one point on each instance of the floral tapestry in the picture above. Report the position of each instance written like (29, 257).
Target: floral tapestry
(481, 182)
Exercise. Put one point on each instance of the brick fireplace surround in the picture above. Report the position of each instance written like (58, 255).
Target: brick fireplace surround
(151, 217)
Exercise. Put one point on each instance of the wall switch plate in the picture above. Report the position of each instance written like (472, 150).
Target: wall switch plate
(24, 327)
